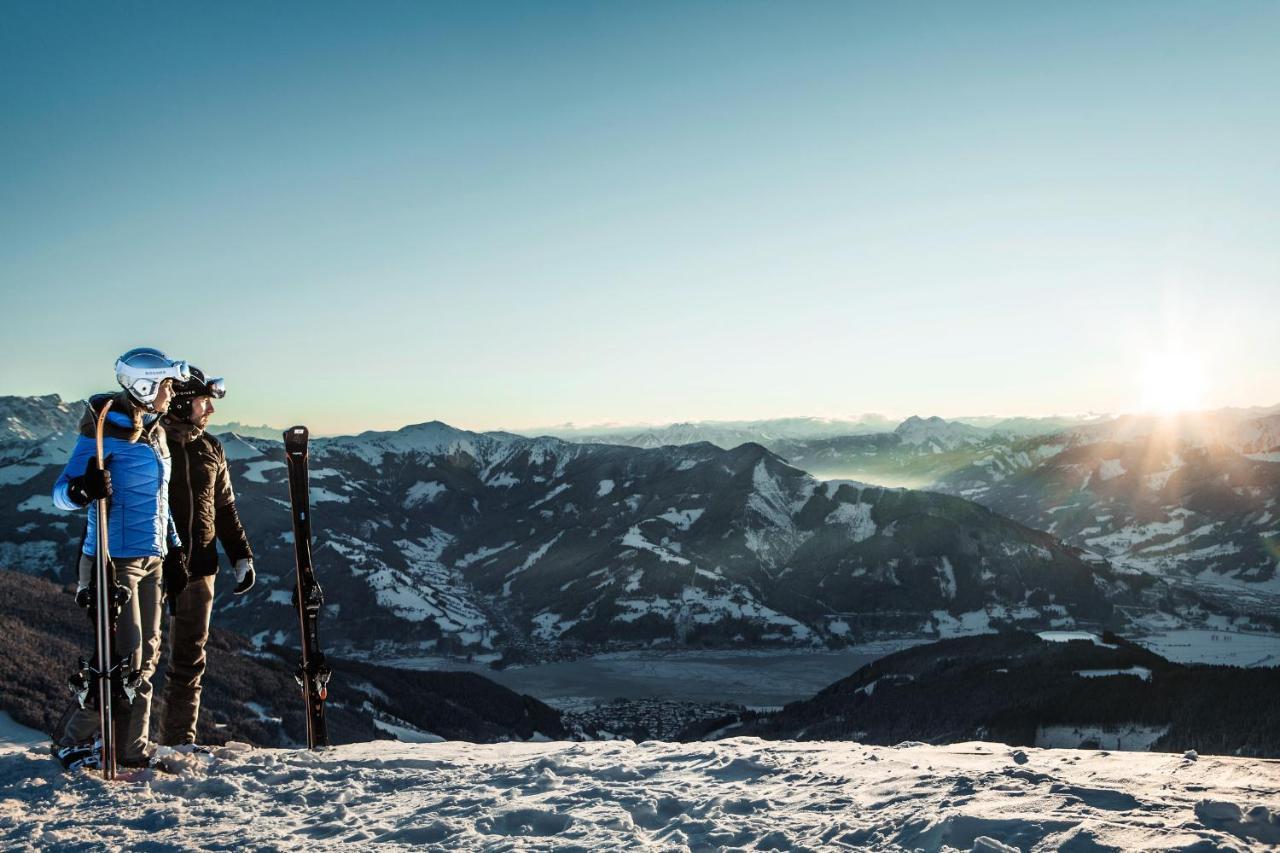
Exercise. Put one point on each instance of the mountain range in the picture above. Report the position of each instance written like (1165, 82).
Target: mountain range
(435, 539)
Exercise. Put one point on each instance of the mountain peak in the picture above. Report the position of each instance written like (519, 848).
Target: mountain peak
(943, 433)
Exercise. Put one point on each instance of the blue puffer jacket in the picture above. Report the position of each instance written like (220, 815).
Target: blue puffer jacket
(138, 519)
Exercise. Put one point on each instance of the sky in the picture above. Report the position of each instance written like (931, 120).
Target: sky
(524, 214)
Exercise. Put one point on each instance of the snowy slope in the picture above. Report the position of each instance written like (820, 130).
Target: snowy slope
(735, 794)
(1193, 499)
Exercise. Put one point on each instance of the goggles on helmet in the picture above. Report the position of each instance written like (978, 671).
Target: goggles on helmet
(217, 387)
(143, 371)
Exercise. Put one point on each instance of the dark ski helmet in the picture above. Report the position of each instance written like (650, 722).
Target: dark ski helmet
(141, 372)
(199, 385)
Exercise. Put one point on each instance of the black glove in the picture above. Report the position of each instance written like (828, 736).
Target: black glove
(175, 575)
(94, 484)
(86, 599)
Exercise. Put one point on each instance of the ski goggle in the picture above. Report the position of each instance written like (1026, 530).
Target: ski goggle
(217, 387)
(147, 389)
(146, 380)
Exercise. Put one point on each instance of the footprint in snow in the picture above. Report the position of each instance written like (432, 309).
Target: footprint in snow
(1257, 824)
(524, 822)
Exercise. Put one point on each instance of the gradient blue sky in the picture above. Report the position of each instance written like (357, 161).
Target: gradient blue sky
(513, 214)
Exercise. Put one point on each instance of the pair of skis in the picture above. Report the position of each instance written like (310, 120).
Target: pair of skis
(313, 673)
(109, 682)
(105, 681)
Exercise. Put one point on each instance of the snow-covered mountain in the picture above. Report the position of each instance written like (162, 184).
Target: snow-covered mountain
(914, 455)
(1027, 426)
(1193, 498)
(451, 540)
(938, 435)
(32, 418)
(723, 434)
(773, 432)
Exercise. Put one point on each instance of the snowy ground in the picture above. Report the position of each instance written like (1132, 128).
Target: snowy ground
(734, 794)
(1234, 648)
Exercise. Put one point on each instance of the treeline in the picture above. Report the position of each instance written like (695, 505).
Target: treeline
(1004, 687)
(249, 694)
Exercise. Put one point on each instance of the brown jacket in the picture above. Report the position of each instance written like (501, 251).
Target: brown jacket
(200, 495)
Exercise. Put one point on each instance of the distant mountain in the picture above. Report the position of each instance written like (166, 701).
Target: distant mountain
(1016, 688)
(1193, 498)
(723, 434)
(249, 694)
(1025, 427)
(33, 418)
(912, 453)
(237, 428)
(778, 432)
(490, 543)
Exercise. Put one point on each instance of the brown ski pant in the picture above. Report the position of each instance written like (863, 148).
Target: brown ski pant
(138, 636)
(188, 633)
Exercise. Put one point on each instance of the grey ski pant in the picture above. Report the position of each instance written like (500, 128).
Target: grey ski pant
(188, 633)
(138, 636)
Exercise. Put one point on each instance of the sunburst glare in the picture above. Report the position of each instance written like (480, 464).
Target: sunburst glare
(1173, 381)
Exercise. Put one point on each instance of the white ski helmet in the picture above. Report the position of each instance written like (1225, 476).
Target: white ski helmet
(141, 371)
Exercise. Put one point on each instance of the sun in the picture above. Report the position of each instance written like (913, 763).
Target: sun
(1172, 381)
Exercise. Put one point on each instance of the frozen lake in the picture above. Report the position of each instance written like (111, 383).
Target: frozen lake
(753, 678)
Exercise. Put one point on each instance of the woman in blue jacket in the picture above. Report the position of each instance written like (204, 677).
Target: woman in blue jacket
(141, 538)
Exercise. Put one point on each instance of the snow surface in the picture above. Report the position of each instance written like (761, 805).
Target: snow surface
(254, 470)
(11, 475)
(236, 448)
(1071, 636)
(1129, 737)
(740, 793)
(423, 492)
(633, 538)
(857, 517)
(39, 503)
(1198, 645)
(1110, 469)
(1138, 671)
(682, 518)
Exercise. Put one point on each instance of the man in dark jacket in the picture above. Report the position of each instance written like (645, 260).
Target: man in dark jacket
(204, 510)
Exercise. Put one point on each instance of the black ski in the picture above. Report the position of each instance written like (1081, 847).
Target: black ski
(313, 674)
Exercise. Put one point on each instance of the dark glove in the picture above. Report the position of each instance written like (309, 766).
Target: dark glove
(86, 599)
(94, 484)
(175, 575)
